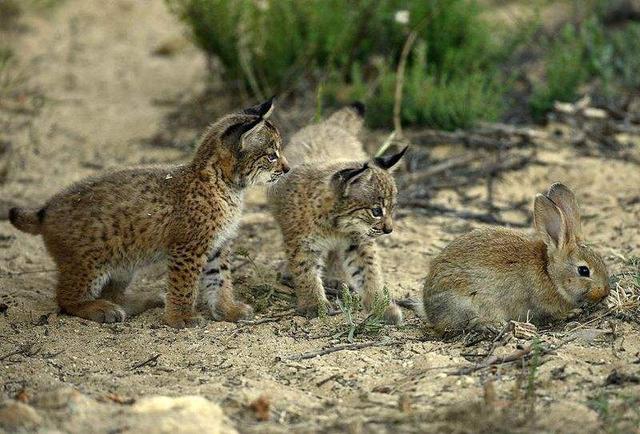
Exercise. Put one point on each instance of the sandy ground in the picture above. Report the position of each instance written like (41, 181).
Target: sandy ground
(107, 95)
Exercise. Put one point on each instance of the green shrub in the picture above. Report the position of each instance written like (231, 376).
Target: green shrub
(353, 48)
(565, 72)
(584, 53)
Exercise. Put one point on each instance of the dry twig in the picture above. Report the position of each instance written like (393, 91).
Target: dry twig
(336, 348)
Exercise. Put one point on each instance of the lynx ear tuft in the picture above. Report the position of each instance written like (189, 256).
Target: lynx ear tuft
(262, 110)
(359, 107)
(389, 161)
(349, 176)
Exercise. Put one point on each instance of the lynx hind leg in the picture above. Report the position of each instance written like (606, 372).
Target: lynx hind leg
(77, 293)
(306, 267)
(133, 304)
(450, 313)
(216, 287)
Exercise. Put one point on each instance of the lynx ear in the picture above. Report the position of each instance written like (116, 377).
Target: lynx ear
(550, 222)
(389, 161)
(262, 110)
(347, 178)
(235, 136)
(564, 199)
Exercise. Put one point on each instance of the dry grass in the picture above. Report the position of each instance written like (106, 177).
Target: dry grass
(624, 299)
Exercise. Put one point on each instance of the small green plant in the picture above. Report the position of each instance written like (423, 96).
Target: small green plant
(619, 413)
(534, 364)
(350, 304)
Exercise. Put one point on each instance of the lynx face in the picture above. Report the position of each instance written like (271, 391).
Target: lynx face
(260, 159)
(365, 209)
(367, 197)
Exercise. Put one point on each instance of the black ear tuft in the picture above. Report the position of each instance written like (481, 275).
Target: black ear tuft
(233, 133)
(388, 162)
(346, 175)
(263, 110)
(359, 107)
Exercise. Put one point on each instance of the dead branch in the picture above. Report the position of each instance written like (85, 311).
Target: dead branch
(402, 63)
(441, 167)
(493, 360)
(20, 273)
(464, 215)
(521, 353)
(336, 348)
(25, 350)
(151, 361)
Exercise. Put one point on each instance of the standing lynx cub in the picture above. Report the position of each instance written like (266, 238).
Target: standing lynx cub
(100, 230)
(334, 205)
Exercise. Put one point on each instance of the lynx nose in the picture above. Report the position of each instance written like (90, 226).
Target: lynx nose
(387, 229)
(285, 166)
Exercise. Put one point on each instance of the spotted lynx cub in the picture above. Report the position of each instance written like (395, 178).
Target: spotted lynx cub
(331, 207)
(100, 230)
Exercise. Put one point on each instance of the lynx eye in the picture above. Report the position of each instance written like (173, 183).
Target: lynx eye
(583, 271)
(376, 211)
(272, 158)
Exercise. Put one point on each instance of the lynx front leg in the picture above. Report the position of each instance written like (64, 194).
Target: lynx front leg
(217, 288)
(185, 267)
(362, 268)
(305, 266)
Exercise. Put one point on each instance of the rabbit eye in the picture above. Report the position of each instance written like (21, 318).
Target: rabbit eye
(583, 271)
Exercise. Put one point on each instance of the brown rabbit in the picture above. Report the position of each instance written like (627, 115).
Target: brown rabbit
(100, 230)
(493, 275)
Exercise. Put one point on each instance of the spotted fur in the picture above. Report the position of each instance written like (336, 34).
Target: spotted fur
(101, 230)
(325, 210)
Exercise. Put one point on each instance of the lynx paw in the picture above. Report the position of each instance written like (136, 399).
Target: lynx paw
(233, 313)
(393, 314)
(109, 314)
(103, 311)
(314, 310)
(183, 320)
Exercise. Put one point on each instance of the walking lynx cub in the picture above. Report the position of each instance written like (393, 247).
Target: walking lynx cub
(329, 206)
(100, 230)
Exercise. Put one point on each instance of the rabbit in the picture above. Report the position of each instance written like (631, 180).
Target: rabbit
(490, 276)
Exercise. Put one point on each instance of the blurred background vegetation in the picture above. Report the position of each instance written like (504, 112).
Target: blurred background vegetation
(462, 65)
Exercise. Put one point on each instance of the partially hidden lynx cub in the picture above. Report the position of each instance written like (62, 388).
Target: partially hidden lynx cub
(331, 207)
(100, 230)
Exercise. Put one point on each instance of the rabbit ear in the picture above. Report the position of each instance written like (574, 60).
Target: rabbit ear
(550, 222)
(564, 199)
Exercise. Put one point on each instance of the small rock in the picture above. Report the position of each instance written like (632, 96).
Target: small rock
(187, 414)
(16, 415)
(619, 378)
(61, 398)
